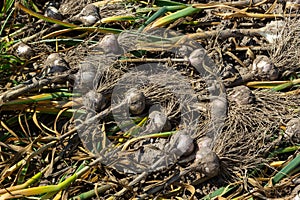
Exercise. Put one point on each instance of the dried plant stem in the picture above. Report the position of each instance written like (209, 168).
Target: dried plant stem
(155, 60)
(34, 85)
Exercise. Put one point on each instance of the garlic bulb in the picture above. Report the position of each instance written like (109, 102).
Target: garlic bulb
(56, 64)
(109, 44)
(197, 57)
(136, 101)
(293, 129)
(24, 51)
(182, 144)
(264, 69)
(88, 16)
(206, 160)
(208, 163)
(242, 95)
(184, 50)
(52, 12)
(158, 122)
(94, 100)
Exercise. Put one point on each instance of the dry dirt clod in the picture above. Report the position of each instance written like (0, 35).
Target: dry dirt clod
(52, 12)
(136, 101)
(24, 51)
(88, 16)
(242, 95)
(264, 69)
(56, 64)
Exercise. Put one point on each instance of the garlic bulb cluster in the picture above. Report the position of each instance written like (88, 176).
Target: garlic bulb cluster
(264, 69)
(182, 144)
(24, 51)
(53, 12)
(136, 101)
(206, 160)
(293, 129)
(242, 95)
(88, 16)
(56, 64)
(108, 44)
(158, 122)
(94, 100)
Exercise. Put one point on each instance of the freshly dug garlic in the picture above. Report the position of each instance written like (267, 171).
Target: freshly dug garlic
(86, 76)
(242, 95)
(204, 145)
(94, 100)
(24, 51)
(197, 58)
(158, 122)
(56, 64)
(206, 160)
(293, 129)
(208, 163)
(185, 50)
(52, 12)
(182, 144)
(264, 69)
(88, 16)
(201, 61)
(136, 101)
(109, 44)
(218, 107)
